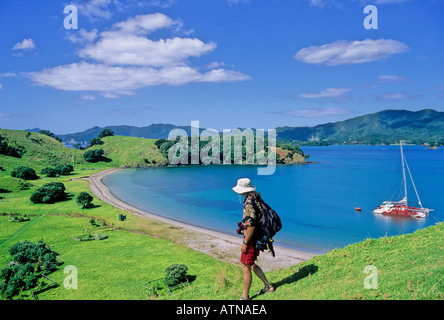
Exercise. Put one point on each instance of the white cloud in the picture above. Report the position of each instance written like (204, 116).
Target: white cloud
(94, 9)
(233, 2)
(1, 87)
(384, 1)
(222, 75)
(113, 81)
(87, 97)
(8, 75)
(329, 93)
(315, 112)
(350, 52)
(104, 9)
(124, 60)
(391, 78)
(135, 50)
(25, 44)
(143, 24)
(83, 36)
(324, 3)
(395, 96)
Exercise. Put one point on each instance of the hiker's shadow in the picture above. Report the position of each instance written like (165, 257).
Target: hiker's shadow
(300, 274)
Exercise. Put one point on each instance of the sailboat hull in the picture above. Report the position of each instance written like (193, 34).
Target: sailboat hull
(401, 210)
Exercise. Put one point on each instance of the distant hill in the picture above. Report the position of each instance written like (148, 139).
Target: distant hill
(40, 151)
(384, 127)
(154, 131)
(388, 126)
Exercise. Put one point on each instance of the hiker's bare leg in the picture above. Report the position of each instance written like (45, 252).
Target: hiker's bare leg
(246, 269)
(258, 271)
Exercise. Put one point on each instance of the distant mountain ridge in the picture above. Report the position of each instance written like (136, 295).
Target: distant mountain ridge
(388, 126)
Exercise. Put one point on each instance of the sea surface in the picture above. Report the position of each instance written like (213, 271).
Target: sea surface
(315, 201)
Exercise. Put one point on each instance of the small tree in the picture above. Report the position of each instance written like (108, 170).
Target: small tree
(24, 173)
(175, 274)
(50, 134)
(49, 172)
(28, 258)
(95, 141)
(84, 199)
(105, 133)
(93, 155)
(64, 169)
(49, 193)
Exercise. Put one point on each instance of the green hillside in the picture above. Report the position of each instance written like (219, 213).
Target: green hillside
(385, 127)
(39, 150)
(138, 250)
(130, 152)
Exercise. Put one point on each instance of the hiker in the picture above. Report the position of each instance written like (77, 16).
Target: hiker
(250, 228)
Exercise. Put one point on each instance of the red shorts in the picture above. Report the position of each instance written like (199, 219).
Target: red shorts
(251, 256)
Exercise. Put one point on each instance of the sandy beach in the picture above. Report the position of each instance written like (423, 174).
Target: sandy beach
(219, 245)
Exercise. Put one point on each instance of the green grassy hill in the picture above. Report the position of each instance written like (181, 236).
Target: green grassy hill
(39, 150)
(138, 250)
(130, 152)
(388, 127)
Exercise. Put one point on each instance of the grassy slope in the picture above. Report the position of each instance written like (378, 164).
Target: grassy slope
(130, 151)
(409, 266)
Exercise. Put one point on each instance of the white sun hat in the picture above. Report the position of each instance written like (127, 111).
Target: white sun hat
(243, 185)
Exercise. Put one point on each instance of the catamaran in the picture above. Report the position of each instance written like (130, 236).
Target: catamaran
(401, 208)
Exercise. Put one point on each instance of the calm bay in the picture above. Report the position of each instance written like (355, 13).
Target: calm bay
(315, 201)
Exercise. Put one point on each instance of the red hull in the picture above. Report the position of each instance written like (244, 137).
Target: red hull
(403, 211)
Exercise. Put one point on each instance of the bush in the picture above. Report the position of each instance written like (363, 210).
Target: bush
(49, 172)
(8, 150)
(84, 199)
(175, 274)
(64, 169)
(50, 134)
(105, 133)
(93, 155)
(24, 173)
(95, 141)
(49, 193)
(28, 258)
(59, 170)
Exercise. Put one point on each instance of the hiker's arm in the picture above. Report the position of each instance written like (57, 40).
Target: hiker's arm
(248, 234)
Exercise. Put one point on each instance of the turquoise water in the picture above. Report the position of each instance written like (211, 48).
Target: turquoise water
(315, 201)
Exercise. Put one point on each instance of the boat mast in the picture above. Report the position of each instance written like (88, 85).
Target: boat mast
(413, 182)
(403, 173)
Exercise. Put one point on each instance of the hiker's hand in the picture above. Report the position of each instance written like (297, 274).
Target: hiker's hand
(244, 248)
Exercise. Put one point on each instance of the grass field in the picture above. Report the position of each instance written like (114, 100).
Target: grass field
(138, 250)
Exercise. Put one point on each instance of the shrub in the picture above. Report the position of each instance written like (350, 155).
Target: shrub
(8, 150)
(175, 274)
(28, 258)
(105, 133)
(59, 170)
(93, 155)
(24, 173)
(49, 172)
(84, 199)
(95, 141)
(64, 169)
(50, 134)
(49, 193)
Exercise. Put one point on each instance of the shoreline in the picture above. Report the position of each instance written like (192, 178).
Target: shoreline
(217, 244)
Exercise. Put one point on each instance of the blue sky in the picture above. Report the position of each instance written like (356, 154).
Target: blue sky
(224, 63)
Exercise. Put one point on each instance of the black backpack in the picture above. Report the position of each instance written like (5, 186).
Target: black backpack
(270, 225)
